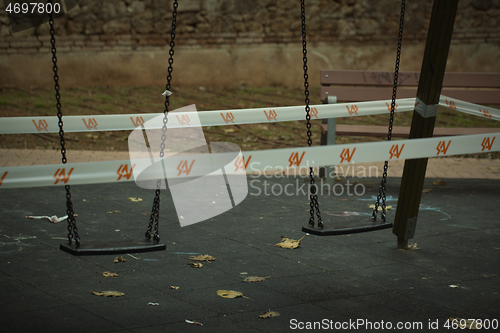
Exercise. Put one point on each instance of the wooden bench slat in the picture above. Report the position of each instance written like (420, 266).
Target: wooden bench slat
(403, 131)
(362, 94)
(381, 78)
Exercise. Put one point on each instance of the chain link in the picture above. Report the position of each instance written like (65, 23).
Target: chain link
(313, 205)
(155, 212)
(381, 193)
(72, 229)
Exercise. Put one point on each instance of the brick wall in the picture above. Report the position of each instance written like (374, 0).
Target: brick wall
(130, 25)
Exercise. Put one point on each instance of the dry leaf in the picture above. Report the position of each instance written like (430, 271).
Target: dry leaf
(337, 179)
(196, 264)
(206, 257)
(469, 324)
(230, 294)
(113, 211)
(229, 130)
(288, 243)
(372, 206)
(255, 279)
(134, 199)
(109, 274)
(426, 190)
(174, 287)
(108, 293)
(493, 168)
(269, 314)
(119, 259)
(438, 182)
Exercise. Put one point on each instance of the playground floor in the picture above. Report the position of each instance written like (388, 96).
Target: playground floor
(348, 283)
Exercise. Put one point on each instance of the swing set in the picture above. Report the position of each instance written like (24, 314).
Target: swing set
(414, 171)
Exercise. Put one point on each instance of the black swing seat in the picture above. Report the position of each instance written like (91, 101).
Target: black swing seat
(348, 227)
(117, 247)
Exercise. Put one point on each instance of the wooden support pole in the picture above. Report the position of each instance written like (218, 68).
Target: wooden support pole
(424, 116)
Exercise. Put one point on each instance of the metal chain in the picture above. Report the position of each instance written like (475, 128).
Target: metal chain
(383, 183)
(72, 229)
(155, 213)
(314, 205)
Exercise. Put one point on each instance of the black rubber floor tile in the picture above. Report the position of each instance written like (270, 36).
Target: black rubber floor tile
(54, 320)
(213, 324)
(468, 267)
(389, 307)
(46, 265)
(138, 312)
(184, 276)
(423, 251)
(461, 297)
(398, 276)
(265, 265)
(22, 297)
(478, 242)
(80, 290)
(315, 288)
(301, 317)
(260, 297)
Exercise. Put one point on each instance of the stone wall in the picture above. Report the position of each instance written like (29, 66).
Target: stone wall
(214, 34)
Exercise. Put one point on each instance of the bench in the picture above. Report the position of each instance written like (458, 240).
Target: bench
(360, 86)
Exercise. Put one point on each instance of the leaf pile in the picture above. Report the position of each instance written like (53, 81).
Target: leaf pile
(119, 259)
(108, 293)
(255, 279)
(288, 243)
(269, 314)
(230, 294)
(109, 274)
(206, 257)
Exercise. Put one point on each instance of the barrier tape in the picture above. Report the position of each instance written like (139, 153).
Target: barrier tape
(189, 166)
(119, 122)
(470, 108)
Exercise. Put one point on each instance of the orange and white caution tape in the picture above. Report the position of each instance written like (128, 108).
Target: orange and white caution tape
(191, 166)
(119, 122)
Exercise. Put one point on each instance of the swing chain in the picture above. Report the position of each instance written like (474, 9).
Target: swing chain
(381, 195)
(314, 205)
(72, 229)
(155, 212)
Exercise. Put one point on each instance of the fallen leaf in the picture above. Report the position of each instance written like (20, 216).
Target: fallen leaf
(113, 211)
(469, 324)
(438, 182)
(288, 243)
(269, 314)
(229, 130)
(426, 190)
(174, 287)
(109, 274)
(493, 168)
(255, 278)
(230, 294)
(411, 247)
(196, 264)
(372, 206)
(206, 257)
(337, 179)
(108, 293)
(119, 259)
(134, 199)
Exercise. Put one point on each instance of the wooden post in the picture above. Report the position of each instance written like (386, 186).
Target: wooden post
(424, 116)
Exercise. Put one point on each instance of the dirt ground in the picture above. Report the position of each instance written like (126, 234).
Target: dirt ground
(16, 102)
